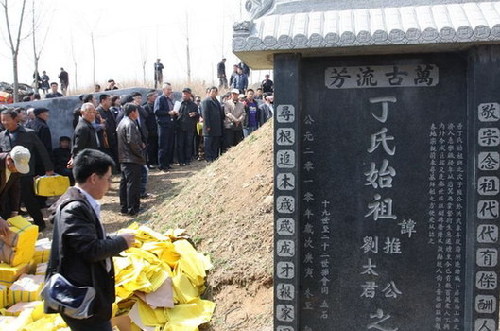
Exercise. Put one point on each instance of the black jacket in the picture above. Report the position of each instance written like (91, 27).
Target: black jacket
(151, 119)
(84, 246)
(213, 117)
(83, 137)
(161, 109)
(109, 117)
(42, 131)
(27, 138)
(184, 121)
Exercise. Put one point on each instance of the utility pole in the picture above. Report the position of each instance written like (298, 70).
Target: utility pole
(187, 50)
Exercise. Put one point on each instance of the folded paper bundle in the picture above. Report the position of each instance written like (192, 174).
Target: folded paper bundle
(9, 275)
(42, 250)
(26, 289)
(18, 246)
(158, 278)
(49, 186)
(3, 296)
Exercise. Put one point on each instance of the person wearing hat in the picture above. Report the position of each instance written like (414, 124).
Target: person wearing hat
(158, 73)
(187, 119)
(15, 135)
(42, 130)
(233, 122)
(12, 165)
(221, 73)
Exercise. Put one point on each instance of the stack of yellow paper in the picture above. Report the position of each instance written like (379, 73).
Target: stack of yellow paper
(26, 289)
(42, 250)
(9, 275)
(3, 296)
(157, 272)
(19, 246)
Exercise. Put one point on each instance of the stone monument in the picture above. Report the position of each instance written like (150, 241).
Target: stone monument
(387, 154)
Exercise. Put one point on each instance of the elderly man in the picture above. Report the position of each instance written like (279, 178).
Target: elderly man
(85, 135)
(165, 117)
(132, 158)
(12, 165)
(80, 240)
(233, 122)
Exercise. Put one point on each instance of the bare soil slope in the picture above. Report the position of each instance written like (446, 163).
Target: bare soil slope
(227, 207)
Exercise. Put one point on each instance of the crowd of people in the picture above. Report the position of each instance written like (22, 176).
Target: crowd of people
(139, 135)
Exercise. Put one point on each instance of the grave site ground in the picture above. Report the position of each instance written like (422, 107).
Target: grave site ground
(227, 209)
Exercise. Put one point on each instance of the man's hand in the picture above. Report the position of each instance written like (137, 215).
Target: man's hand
(49, 173)
(4, 227)
(69, 165)
(129, 238)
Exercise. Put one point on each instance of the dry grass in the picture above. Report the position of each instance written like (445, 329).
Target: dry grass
(197, 86)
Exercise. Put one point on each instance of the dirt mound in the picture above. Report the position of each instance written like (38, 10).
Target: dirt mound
(227, 208)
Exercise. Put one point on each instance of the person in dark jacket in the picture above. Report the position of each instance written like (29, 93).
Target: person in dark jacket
(85, 249)
(12, 166)
(15, 135)
(152, 143)
(165, 117)
(132, 157)
(61, 156)
(109, 121)
(221, 74)
(213, 117)
(42, 130)
(85, 135)
(187, 119)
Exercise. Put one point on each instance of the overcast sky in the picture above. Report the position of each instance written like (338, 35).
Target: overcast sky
(126, 32)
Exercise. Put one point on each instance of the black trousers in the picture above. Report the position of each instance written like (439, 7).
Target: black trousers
(212, 145)
(185, 140)
(152, 149)
(30, 200)
(82, 325)
(231, 138)
(166, 145)
(130, 186)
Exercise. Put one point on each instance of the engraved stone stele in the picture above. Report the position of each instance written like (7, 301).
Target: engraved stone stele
(386, 161)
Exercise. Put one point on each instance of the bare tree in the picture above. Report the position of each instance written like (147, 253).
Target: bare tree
(36, 54)
(188, 57)
(144, 60)
(73, 55)
(14, 42)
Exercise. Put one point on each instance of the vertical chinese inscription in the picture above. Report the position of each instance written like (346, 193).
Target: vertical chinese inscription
(285, 226)
(446, 221)
(487, 214)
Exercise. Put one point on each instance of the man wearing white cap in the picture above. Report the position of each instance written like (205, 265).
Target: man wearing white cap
(233, 122)
(12, 164)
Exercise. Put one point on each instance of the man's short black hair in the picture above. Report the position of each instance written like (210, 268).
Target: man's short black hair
(250, 90)
(11, 112)
(90, 161)
(54, 83)
(129, 108)
(214, 88)
(88, 98)
(64, 138)
(103, 97)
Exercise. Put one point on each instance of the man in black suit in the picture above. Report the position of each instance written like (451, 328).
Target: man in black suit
(213, 117)
(15, 135)
(165, 117)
